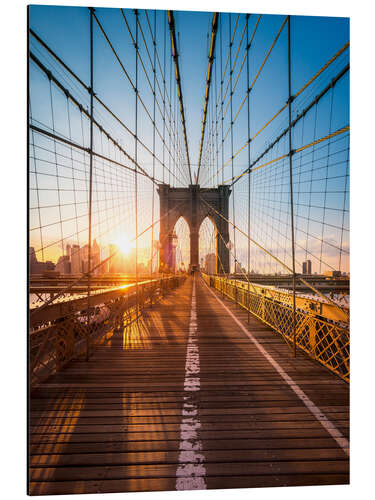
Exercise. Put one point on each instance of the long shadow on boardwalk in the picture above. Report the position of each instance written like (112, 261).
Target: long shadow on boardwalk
(116, 417)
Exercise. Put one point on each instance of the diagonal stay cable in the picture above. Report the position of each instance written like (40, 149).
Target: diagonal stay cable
(254, 80)
(294, 122)
(227, 61)
(52, 78)
(165, 96)
(82, 148)
(250, 284)
(148, 79)
(307, 84)
(101, 263)
(76, 77)
(129, 79)
(220, 97)
(302, 148)
(276, 259)
(304, 87)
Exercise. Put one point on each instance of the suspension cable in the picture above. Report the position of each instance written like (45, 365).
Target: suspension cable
(285, 266)
(178, 81)
(153, 67)
(76, 77)
(285, 131)
(306, 146)
(215, 19)
(128, 76)
(301, 114)
(84, 111)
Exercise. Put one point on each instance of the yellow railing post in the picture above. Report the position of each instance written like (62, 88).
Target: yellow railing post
(312, 337)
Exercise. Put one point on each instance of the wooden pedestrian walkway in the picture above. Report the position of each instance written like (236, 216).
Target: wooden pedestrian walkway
(186, 399)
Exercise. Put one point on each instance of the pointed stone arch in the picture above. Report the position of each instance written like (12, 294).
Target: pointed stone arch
(194, 204)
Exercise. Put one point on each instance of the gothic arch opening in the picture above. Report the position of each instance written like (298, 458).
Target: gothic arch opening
(181, 242)
(208, 246)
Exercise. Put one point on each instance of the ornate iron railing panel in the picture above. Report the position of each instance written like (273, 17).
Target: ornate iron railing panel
(67, 330)
(323, 338)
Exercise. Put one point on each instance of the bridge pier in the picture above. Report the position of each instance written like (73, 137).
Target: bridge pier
(194, 204)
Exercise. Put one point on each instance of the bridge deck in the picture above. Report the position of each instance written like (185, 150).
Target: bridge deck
(179, 402)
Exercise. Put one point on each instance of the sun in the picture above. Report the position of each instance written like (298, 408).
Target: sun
(124, 243)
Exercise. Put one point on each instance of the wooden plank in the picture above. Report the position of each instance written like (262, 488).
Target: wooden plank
(114, 423)
(165, 435)
(169, 470)
(116, 446)
(163, 484)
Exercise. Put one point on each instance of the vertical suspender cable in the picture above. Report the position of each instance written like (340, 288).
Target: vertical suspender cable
(290, 99)
(164, 88)
(216, 133)
(326, 181)
(221, 99)
(231, 139)
(174, 130)
(90, 182)
(136, 160)
(170, 116)
(249, 175)
(153, 150)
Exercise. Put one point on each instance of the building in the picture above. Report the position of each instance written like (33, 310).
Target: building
(37, 267)
(75, 259)
(95, 258)
(210, 263)
(332, 274)
(69, 251)
(306, 267)
(172, 255)
(238, 268)
(63, 265)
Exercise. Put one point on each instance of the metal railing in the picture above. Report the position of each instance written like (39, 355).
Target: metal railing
(321, 330)
(66, 330)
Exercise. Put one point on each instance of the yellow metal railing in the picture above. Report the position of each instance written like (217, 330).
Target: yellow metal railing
(58, 332)
(322, 330)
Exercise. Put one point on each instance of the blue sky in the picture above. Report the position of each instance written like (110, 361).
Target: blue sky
(314, 40)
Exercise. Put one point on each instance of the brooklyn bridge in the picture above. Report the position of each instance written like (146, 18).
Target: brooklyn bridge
(189, 250)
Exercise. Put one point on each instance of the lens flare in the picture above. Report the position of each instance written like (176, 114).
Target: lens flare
(124, 243)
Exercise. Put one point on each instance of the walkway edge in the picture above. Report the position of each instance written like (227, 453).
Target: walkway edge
(315, 410)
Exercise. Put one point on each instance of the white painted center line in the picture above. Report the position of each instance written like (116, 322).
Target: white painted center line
(315, 410)
(191, 472)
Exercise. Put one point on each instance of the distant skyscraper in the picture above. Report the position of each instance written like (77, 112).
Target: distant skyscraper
(63, 265)
(32, 257)
(37, 267)
(238, 268)
(306, 267)
(210, 263)
(170, 256)
(75, 259)
(95, 257)
(69, 251)
(84, 256)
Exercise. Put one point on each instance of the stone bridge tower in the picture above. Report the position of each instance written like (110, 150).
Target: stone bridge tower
(188, 203)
